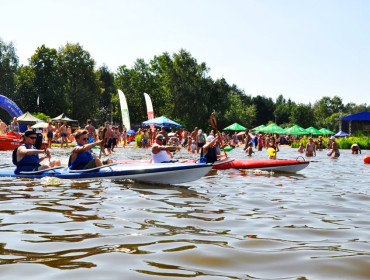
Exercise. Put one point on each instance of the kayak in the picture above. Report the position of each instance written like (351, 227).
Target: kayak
(157, 173)
(279, 165)
(10, 141)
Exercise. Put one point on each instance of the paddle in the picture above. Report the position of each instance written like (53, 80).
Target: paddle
(46, 152)
(103, 141)
(214, 125)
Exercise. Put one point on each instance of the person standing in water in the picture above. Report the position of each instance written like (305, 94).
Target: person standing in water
(335, 148)
(310, 148)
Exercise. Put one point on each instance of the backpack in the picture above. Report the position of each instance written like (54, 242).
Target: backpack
(14, 156)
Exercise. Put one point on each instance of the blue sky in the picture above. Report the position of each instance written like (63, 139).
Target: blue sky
(303, 49)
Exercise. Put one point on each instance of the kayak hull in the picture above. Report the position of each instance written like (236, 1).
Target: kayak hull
(9, 141)
(267, 165)
(283, 165)
(171, 173)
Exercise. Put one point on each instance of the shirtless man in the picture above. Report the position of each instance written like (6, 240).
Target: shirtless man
(310, 148)
(63, 134)
(335, 148)
(165, 135)
(355, 149)
(91, 133)
(49, 134)
(108, 141)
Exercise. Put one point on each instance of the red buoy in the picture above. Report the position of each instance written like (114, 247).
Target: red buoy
(367, 159)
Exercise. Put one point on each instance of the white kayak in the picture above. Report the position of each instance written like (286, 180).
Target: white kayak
(157, 173)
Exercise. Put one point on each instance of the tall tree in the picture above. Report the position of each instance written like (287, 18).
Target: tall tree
(303, 115)
(108, 90)
(8, 70)
(82, 84)
(48, 82)
(265, 109)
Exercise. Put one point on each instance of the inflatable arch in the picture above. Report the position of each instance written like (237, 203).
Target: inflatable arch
(10, 106)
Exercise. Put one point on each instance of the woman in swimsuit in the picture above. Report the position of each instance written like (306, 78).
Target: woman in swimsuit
(310, 148)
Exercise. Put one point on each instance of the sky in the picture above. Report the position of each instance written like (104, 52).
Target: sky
(302, 49)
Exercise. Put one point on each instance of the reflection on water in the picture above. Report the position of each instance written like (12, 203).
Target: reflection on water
(231, 224)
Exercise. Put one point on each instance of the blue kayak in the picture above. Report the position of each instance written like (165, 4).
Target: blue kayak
(157, 173)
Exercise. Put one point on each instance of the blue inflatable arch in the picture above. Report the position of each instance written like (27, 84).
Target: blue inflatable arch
(10, 106)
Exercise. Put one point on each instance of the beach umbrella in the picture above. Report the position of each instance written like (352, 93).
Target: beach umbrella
(296, 130)
(130, 131)
(40, 125)
(341, 134)
(259, 128)
(235, 127)
(272, 128)
(314, 131)
(161, 121)
(326, 131)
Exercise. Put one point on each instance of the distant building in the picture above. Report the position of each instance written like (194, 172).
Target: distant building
(356, 122)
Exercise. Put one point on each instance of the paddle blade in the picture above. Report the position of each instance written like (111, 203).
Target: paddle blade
(213, 121)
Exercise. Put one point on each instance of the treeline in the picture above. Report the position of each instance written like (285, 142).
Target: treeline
(67, 80)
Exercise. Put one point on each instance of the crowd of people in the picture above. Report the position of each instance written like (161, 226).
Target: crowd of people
(162, 142)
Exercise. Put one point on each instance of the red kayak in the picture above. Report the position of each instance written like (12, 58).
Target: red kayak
(10, 141)
(279, 165)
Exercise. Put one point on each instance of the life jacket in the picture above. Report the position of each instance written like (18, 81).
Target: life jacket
(27, 163)
(211, 155)
(82, 159)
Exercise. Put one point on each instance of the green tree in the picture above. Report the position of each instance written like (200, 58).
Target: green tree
(134, 82)
(25, 95)
(8, 70)
(326, 107)
(108, 91)
(302, 115)
(265, 109)
(48, 82)
(82, 87)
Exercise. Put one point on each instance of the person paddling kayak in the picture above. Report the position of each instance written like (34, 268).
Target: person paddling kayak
(26, 156)
(81, 157)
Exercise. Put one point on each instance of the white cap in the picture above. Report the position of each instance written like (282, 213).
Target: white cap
(210, 138)
(332, 138)
(199, 131)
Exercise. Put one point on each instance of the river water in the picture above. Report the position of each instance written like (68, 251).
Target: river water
(231, 224)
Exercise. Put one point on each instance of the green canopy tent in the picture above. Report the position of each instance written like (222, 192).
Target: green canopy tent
(272, 128)
(259, 128)
(313, 131)
(326, 131)
(235, 127)
(296, 130)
